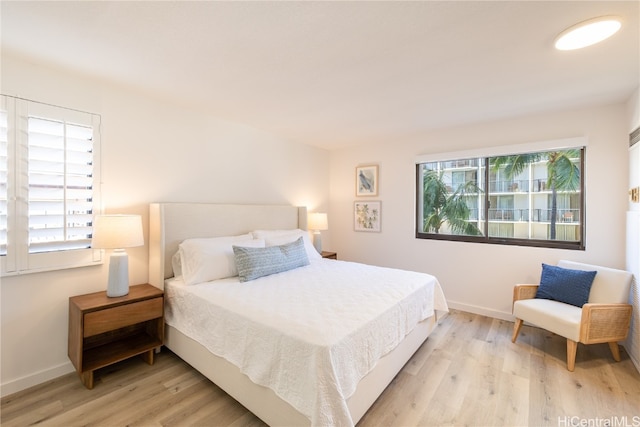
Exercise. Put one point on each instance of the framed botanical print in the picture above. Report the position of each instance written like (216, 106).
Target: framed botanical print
(367, 216)
(367, 180)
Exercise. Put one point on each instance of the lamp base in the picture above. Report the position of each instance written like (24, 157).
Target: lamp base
(317, 241)
(118, 274)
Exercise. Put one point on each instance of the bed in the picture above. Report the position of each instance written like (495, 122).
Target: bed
(330, 393)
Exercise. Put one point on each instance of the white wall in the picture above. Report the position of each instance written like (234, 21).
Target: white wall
(633, 232)
(480, 277)
(153, 150)
(633, 111)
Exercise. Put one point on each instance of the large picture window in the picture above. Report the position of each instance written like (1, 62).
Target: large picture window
(529, 199)
(49, 186)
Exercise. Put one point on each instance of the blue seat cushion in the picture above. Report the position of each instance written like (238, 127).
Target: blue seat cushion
(565, 285)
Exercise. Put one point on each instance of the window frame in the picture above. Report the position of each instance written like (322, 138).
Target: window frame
(18, 259)
(484, 156)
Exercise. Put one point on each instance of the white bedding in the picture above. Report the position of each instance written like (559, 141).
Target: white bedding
(309, 334)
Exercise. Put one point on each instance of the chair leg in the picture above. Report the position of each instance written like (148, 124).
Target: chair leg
(615, 351)
(516, 329)
(572, 347)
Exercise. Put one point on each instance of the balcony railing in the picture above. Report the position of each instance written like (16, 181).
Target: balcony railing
(511, 186)
(464, 163)
(537, 215)
(508, 214)
(473, 214)
(563, 215)
(539, 185)
(518, 186)
(568, 216)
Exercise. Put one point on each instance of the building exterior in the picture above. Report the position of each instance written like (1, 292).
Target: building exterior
(519, 206)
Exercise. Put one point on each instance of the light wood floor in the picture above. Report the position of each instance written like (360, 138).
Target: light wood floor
(467, 373)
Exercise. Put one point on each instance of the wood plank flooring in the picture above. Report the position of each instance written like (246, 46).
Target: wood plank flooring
(468, 373)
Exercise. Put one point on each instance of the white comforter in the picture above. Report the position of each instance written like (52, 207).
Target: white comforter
(309, 334)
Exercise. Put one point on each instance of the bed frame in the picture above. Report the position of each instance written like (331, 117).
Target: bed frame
(170, 223)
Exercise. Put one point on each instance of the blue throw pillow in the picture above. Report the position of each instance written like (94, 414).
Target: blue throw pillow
(257, 262)
(565, 285)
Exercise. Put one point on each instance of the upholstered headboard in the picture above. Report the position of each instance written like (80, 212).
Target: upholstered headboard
(171, 223)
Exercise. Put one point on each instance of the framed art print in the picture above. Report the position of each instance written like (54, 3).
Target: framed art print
(367, 180)
(367, 216)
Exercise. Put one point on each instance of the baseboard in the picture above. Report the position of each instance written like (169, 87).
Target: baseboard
(480, 310)
(22, 383)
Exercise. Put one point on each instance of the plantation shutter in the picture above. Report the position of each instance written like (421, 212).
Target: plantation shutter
(60, 183)
(4, 148)
(49, 186)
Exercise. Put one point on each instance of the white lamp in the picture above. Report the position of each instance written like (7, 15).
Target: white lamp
(117, 232)
(317, 222)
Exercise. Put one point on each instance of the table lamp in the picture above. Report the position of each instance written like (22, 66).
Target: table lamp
(117, 232)
(317, 222)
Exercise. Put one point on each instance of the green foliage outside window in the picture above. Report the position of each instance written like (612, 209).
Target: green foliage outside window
(530, 199)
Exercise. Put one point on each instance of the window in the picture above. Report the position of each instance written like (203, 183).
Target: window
(49, 188)
(530, 198)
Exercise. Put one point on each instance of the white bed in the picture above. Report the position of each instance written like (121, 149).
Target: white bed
(172, 223)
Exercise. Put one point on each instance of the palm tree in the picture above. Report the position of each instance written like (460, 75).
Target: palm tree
(562, 174)
(440, 205)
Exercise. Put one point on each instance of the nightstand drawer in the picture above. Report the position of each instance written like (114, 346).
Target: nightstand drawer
(329, 255)
(118, 317)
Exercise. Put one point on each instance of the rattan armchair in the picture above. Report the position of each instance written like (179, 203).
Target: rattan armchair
(605, 318)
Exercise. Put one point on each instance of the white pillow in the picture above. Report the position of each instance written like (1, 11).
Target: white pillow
(208, 259)
(281, 237)
(176, 264)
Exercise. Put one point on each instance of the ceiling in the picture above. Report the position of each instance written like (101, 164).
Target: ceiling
(337, 74)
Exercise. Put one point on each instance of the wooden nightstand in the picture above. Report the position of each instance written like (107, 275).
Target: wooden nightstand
(329, 255)
(105, 330)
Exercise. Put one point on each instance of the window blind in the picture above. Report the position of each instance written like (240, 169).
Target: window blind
(60, 185)
(4, 143)
(50, 187)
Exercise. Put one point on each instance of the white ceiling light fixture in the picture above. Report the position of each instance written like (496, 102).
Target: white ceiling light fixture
(588, 32)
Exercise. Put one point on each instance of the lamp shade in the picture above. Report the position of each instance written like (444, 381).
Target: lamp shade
(317, 221)
(117, 232)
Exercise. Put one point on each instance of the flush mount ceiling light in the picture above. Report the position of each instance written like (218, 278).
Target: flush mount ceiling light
(588, 32)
